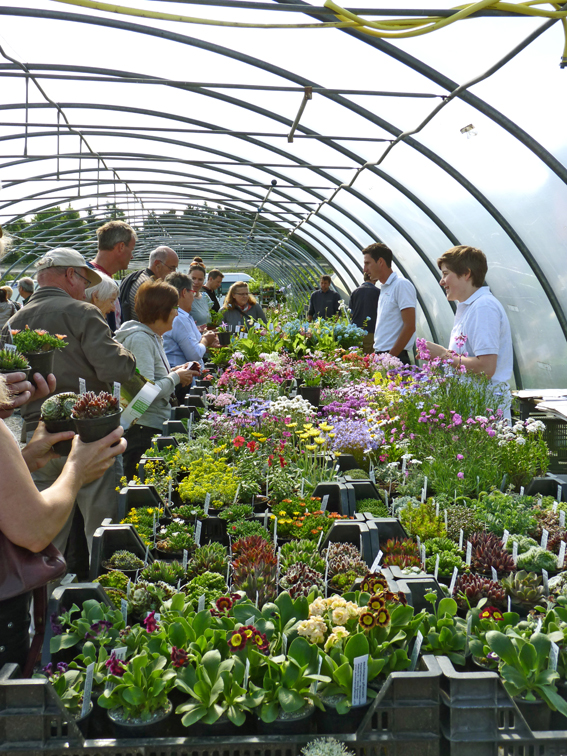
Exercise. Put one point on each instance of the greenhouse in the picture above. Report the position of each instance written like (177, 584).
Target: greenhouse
(268, 527)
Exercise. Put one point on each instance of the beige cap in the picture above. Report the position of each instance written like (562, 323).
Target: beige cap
(68, 258)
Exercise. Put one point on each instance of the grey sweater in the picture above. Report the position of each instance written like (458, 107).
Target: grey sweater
(237, 317)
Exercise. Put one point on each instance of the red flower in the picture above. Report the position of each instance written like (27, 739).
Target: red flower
(115, 666)
(270, 460)
(151, 623)
(179, 657)
(283, 463)
(252, 445)
(238, 442)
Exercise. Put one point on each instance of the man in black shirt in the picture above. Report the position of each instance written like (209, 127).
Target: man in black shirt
(363, 305)
(214, 280)
(324, 303)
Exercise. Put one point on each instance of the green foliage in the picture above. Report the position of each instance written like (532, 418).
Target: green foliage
(537, 559)
(12, 361)
(373, 506)
(29, 341)
(506, 511)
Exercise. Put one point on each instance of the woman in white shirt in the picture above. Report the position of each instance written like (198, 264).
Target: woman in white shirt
(481, 328)
(202, 303)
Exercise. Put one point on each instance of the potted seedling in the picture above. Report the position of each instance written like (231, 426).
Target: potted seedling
(56, 414)
(96, 415)
(38, 347)
(12, 361)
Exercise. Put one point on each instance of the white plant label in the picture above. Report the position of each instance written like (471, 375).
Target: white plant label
(275, 532)
(359, 680)
(515, 551)
(315, 682)
(189, 426)
(201, 603)
(198, 528)
(561, 557)
(185, 559)
(538, 626)
(415, 651)
(246, 674)
(562, 518)
(505, 537)
(521, 490)
(418, 539)
(266, 513)
(468, 559)
(436, 509)
(147, 555)
(445, 519)
(436, 569)
(284, 644)
(207, 503)
(376, 562)
(120, 653)
(555, 505)
(423, 556)
(124, 610)
(324, 503)
(82, 386)
(10, 347)
(129, 589)
(116, 392)
(88, 689)
(302, 486)
(553, 657)
(372, 476)
(387, 501)
(461, 538)
(250, 620)
(403, 465)
(236, 494)
(509, 603)
(545, 576)
(453, 580)
(321, 534)
(544, 537)
(257, 599)
(494, 575)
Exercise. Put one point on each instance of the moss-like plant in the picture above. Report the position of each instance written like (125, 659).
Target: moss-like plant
(114, 579)
(124, 560)
(373, 506)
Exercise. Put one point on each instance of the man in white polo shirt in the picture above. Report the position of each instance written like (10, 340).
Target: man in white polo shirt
(395, 321)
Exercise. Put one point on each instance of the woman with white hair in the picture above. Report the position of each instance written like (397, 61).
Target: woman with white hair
(104, 294)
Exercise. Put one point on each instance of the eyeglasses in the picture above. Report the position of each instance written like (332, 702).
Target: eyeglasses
(86, 280)
(173, 268)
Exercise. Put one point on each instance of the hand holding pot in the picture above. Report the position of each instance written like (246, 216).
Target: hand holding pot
(92, 460)
(186, 376)
(21, 390)
(39, 450)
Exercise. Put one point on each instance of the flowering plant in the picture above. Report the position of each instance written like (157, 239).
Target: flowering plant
(68, 684)
(37, 340)
(97, 622)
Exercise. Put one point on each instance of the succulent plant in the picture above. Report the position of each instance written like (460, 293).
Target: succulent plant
(124, 560)
(236, 512)
(344, 557)
(401, 552)
(59, 406)
(91, 405)
(148, 597)
(301, 580)
(116, 596)
(210, 584)
(11, 360)
(537, 559)
(470, 589)
(524, 588)
(254, 569)
(461, 517)
(343, 581)
(301, 551)
(524, 543)
(164, 572)
(437, 545)
(549, 520)
(114, 579)
(374, 506)
(211, 557)
(488, 552)
(448, 560)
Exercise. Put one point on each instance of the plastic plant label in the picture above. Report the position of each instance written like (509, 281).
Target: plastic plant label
(120, 653)
(359, 680)
(198, 528)
(515, 551)
(461, 538)
(418, 539)
(559, 493)
(124, 610)
(555, 505)
(423, 556)
(372, 476)
(250, 620)
(425, 489)
(436, 569)
(189, 426)
(236, 494)
(116, 392)
(179, 584)
(302, 486)
(494, 574)
(404, 465)
(147, 554)
(436, 509)
(544, 537)
(88, 689)
(561, 557)
(422, 498)
(415, 651)
(284, 644)
(324, 503)
(257, 598)
(376, 562)
(266, 513)
(562, 518)
(185, 559)
(387, 501)
(468, 559)
(201, 603)
(521, 490)
(453, 580)
(445, 519)
(246, 674)
(553, 657)
(315, 682)
(545, 576)
(321, 534)
(82, 386)
(505, 537)
(538, 626)
(10, 347)
(207, 503)
(275, 532)
(509, 603)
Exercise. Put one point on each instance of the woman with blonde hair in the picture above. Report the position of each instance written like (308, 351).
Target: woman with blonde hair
(240, 307)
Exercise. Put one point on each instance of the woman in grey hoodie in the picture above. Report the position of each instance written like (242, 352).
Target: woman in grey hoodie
(156, 308)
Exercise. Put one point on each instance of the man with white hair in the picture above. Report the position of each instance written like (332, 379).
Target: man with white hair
(26, 288)
(59, 306)
(162, 262)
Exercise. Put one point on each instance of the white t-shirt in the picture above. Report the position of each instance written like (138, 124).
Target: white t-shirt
(396, 294)
(482, 319)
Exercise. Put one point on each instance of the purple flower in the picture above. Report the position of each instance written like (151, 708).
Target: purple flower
(460, 475)
(150, 623)
(98, 628)
(56, 626)
(115, 666)
(62, 667)
(460, 456)
(47, 670)
(457, 419)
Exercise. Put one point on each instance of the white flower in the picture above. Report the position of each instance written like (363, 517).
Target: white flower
(520, 440)
(340, 616)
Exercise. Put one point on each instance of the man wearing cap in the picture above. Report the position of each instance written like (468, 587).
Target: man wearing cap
(58, 306)
(116, 242)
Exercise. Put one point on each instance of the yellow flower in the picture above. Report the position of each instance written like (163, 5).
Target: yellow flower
(291, 425)
(332, 435)
(307, 425)
(313, 432)
(311, 447)
(319, 441)
(256, 435)
(262, 438)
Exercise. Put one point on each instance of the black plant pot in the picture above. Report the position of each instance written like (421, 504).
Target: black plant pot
(40, 362)
(329, 722)
(224, 339)
(57, 426)
(96, 428)
(536, 713)
(84, 723)
(299, 723)
(26, 371)
(311, 393)
(158, 727)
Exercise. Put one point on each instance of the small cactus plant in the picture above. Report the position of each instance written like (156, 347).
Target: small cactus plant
(91, 405)
(11, 361)
(59, 407)
(124, 560)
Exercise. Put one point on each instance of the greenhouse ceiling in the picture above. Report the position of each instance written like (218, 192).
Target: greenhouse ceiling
(288, 136)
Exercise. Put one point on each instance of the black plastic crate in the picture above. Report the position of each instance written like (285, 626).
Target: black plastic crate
(110, 538)
(339, 500)
(351, 531)
(132, 497)
(555, 435)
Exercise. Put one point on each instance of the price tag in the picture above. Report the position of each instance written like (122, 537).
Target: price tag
(201, 603)
(275, 532)
(461, 538)
(246, 674)
(553, 656)
(324, 503)
(561, 557)
(545, 576)
(468, 558)
(124, 610)
(505, 537)
(544, 537)
(82, 386)
(185, 559)
(521, 490)
(236, 494)
(207, 503)
(423, 556)
(88, 689)
(10, 347)
(321, 534)
(198, 528)
(453, 580)
(494, 575)
(415, 651)
(509, 603)
(376, 562)
(359, 680)
(555, 505)
(436, 569)
(562, 518)
(515, 551)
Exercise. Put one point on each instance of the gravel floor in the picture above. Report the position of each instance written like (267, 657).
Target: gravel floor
(14, 423)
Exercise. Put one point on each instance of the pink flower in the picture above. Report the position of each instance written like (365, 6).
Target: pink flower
(115, 666)
(151, 623)
(491, 431)
(460, 475)
(457, 419)
(460, 456)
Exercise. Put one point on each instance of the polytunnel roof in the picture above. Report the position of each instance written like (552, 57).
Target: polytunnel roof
(293, 148)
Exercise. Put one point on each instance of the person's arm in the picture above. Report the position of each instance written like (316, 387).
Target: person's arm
(141, 347)
(192, 348)
(23, 391)
(408, 329)
(485, 363)
(31, 518)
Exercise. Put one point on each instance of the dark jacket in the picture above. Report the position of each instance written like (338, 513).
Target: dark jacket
(324, 304)
(213, 297)
(363, 305)
(128, 289)
(92, 353)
